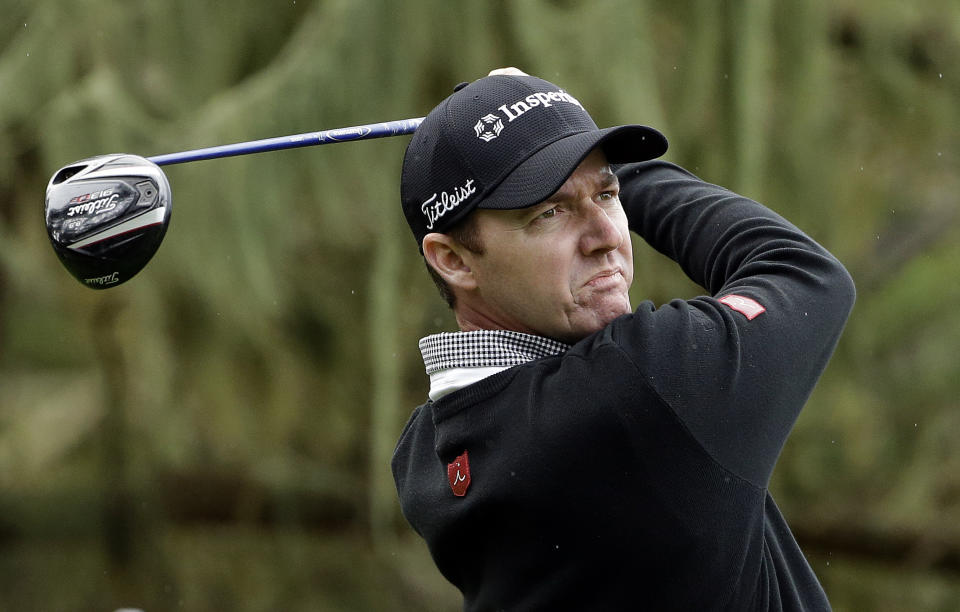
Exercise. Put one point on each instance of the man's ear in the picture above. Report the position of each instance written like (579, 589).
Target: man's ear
(446, 256)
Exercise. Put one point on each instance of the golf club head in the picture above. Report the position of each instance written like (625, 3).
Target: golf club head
(106, 217)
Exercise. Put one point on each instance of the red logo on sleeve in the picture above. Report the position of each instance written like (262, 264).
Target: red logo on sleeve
(458, 473)
(744, 305)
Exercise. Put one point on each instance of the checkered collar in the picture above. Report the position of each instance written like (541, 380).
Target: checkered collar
(485, 349)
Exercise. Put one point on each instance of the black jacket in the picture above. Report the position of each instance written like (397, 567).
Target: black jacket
(631, 472)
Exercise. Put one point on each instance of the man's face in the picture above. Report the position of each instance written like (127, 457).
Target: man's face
(562, 268)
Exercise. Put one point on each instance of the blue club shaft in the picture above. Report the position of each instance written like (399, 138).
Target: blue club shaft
(308, 139)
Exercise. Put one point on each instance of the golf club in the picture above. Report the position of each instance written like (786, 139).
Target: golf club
(107, 215)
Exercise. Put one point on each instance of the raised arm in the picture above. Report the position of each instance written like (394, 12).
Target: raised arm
(737, 365)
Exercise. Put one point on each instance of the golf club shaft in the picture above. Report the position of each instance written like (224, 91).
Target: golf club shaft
(309, 139)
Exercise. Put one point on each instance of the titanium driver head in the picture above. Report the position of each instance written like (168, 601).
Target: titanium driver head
(106, 217)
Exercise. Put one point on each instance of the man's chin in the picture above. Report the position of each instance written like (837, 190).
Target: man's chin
(596, 319)
(609, 306)
(609, 317)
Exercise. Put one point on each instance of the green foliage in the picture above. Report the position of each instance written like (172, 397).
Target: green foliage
(273, 337)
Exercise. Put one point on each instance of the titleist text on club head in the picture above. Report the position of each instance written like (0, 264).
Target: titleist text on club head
(106, 217)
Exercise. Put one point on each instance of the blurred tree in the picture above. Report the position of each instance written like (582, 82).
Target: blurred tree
(254, 377)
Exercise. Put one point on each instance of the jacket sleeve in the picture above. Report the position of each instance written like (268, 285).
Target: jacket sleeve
(737, 365)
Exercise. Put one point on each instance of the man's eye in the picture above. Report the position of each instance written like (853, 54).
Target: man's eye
(607, 195)
(551, 212)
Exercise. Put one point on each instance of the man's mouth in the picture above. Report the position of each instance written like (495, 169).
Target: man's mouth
(606, 279)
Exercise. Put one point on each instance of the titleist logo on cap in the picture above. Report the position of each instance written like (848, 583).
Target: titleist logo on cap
(435, 208)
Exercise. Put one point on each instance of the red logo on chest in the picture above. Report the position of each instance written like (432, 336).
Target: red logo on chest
(458, 473)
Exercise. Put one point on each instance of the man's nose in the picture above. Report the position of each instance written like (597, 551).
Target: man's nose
(600, 233)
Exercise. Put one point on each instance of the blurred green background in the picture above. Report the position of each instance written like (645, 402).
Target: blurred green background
(216, 433)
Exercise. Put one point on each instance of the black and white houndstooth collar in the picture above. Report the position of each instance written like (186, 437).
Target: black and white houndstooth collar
(485, 349)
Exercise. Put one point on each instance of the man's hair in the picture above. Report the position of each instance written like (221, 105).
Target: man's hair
(467, 233)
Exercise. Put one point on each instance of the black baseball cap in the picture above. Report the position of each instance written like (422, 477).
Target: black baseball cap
(505, 142)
